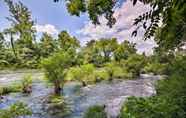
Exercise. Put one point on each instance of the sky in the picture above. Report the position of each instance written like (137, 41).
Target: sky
(53, 17)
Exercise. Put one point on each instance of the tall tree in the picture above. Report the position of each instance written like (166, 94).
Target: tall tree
(67, 42)
(106, 47)
(124, 50)
(47, 45)
(21, 24)
(1, 41)
(11, 32)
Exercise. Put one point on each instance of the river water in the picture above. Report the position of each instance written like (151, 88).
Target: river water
(110, 94)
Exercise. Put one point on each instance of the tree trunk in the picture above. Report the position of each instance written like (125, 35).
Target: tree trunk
(84, 83)
(57, 88)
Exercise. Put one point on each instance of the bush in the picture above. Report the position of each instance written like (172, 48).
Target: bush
(170, 101)
(116, 71)
(178, 66)
(153, 107)
(74, 73)
(87, 74)
(27, 84)
(14, 111)
(95, 112)
(134, 64)
(84, 74)
(9, 89)
(156, 68)
(101, 74)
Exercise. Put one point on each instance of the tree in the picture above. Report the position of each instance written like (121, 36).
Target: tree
(3, 52)
(70, 44)
(134, 64)
(47, 46)
(11, 32)
(55, 68)
(91, 53)
(83, 73)
(107, 47)
(66, 42)
(21, 25)
(2, 41)
(100, 51)
(124, 50)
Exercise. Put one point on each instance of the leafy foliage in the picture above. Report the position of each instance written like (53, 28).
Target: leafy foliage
(16, 110)
(95, 112)
(171, 13)
(134, 64)
(151, 108)
(170, 99)
(66, 42)
(124, 50)
(26, 84)
(9, 89)
(47, 46)
(55, 68)
(57, 106)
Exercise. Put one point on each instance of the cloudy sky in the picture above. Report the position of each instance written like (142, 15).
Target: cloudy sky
(53, 17)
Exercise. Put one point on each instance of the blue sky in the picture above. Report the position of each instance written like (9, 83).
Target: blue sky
(48, 12)
(53, 17)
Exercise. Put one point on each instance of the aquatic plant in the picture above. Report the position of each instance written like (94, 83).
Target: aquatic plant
(16, 110)
(96, 112)
(9, 89)
(56, 106)
(26, 84)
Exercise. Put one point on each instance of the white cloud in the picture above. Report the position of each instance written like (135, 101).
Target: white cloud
(123, 28)
(47, 28)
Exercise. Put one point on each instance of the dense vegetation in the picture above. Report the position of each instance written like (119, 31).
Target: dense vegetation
(63, 59)
(95, 112)
(15, 110)
(170, 99)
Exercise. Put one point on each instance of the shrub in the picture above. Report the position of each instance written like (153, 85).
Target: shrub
(177, 66)
(134, 64)
(156, 68)
(14, 111)
(170, 101)
(27, 84)
(111, 68)
(84, 74)
(101, 74)
(153, 107)
(116, 71)
(9, 89)
(87, 74)
(95, 112)
(74, 73)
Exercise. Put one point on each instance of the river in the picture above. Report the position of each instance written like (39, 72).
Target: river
(110, 94)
